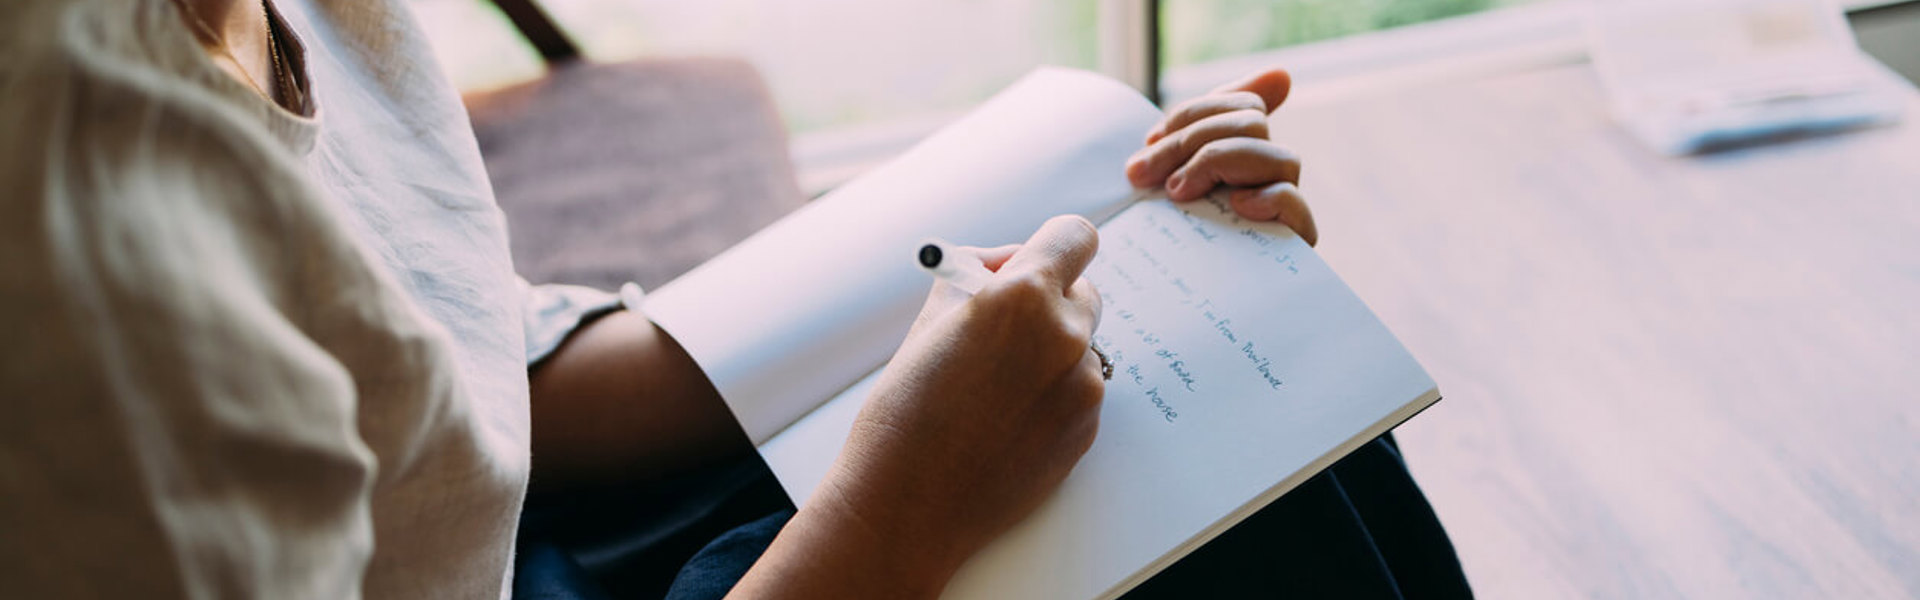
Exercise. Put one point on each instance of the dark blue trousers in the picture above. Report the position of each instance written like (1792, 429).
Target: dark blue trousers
(1361, 529)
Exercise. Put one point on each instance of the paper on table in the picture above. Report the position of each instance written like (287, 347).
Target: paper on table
(804, 308)
(1690, 76)
(1244, 366)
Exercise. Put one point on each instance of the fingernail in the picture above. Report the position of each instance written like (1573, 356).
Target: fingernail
(1269, 205)
(1177, 180)
(1259, 207)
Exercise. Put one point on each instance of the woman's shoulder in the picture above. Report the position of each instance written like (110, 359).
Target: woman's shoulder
(122, 148)
(94, 38)
(106, 72)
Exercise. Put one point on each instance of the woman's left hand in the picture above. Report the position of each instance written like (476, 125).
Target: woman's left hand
(1220, 140)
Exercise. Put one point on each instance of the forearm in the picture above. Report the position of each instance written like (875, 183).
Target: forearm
(831, 551)
(621, 401)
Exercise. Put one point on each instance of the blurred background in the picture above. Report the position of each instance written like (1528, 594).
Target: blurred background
(857, 80)
(839, 63)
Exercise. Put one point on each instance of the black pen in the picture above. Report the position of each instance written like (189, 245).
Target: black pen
(964, 271)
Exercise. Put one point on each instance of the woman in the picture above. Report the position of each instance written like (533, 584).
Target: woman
(269, 342)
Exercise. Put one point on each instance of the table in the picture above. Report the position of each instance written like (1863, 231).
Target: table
(1664, 377)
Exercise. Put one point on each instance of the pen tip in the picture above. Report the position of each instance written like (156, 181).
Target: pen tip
(930, 256)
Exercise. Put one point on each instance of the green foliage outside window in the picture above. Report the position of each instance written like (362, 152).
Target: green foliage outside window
(1195, 31)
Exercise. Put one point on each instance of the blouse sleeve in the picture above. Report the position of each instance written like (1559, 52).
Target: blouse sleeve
(167, 428)
(555, 311)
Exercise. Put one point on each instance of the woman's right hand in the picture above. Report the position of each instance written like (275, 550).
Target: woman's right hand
(983, 411)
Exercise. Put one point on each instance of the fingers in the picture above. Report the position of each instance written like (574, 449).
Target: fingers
(1075, 397)
(995, 256)
(1222, 139)
(1271, 85)
(1040, 293)
(1151, 165)
(944, 296)
(1233, 162)
(1087, 300)
(1281, 201)
(1090, 385)
(1192, 111)
(1057, 253)
(1263, 91)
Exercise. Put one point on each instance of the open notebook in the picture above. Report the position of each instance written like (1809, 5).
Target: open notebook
(1243, 364)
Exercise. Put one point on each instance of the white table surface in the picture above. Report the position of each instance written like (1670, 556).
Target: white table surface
(1664, 377)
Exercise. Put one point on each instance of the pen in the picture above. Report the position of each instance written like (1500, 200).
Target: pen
(964, 271)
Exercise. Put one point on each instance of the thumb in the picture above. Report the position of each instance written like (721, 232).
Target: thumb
(1058, 252)
(996, 256)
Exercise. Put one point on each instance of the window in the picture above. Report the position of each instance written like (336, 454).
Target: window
(838, 63)
(841, 62)
(476, 44)
(1198, 31)
(857, 81)
(830, 63)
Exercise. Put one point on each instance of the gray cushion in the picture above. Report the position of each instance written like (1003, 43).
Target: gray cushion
(633, 171)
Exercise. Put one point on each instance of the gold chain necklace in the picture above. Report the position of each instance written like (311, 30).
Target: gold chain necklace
(285, 81)
(273, 50)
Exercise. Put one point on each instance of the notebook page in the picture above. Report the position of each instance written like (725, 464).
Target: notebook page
(1243, 366)
(804, 308)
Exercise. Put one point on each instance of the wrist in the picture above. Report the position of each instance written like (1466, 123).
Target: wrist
(831, 549)
(916, 561)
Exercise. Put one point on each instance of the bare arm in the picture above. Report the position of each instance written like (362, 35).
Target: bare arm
(621, 401)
